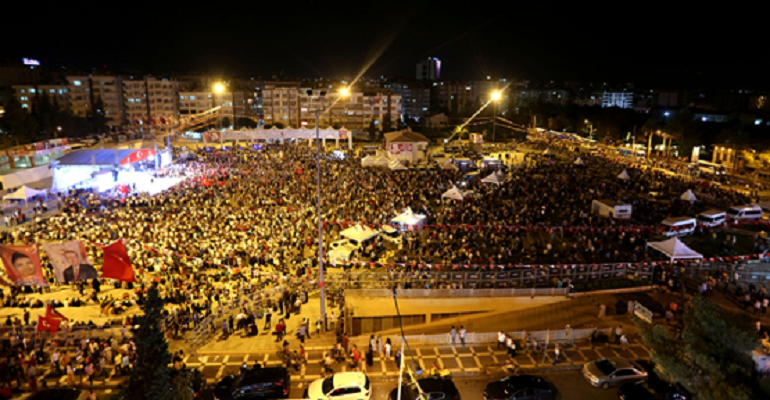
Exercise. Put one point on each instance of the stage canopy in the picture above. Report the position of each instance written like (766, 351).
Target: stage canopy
(688, 196)
(24, 193)
(624, 176)
(496, 177)
(675, 250)
(104, 157)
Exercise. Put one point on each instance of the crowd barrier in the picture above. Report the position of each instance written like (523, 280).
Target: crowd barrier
(564, 336)
(457, 292)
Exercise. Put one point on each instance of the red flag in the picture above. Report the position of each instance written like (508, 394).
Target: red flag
(51, 313)
(47, 324)
(117, 265)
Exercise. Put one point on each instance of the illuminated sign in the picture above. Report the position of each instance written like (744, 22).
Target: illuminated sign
(30, 61)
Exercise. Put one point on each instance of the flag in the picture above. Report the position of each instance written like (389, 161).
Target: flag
(45, 324)
(51, 313)
(162, 120)
(117, 265)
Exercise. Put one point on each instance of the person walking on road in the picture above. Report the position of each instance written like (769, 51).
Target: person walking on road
(453, 334)
(501, 340)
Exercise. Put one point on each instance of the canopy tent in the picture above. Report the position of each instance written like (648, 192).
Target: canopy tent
(359, 233)
(624, 175)
(675, 249)
(395, 165)
(688, 196)
(495, 177)
(449, 165)
(24, 193)
(409, 220)
(579, 161)
(454, 193)
(374, 161)
(547, 152)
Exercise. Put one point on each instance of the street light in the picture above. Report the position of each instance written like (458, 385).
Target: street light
(219, 89)
(322, 94)
(590, 128)
(495, 98)
(58, 131)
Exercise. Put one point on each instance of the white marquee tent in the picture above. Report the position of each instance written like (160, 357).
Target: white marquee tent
(449, 165)
(496, 177)
(454, 193)
(624, 175)
(675, 249)
(374, 161)
(359, 233)
(579, 161)
(24, 193)
(688, 196)
(547, 152)
(395, 165)
(409, 220)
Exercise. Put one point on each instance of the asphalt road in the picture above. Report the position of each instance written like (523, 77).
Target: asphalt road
(571, 386)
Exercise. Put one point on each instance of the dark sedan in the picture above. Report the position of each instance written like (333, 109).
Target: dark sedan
(520, 387)
(434, 388)
(263, 383)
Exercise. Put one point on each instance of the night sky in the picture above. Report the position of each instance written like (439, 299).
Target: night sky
(643, 42)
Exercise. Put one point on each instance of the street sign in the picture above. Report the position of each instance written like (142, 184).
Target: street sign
(642, 312)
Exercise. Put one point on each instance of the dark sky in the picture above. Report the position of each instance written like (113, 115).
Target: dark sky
(660, 43)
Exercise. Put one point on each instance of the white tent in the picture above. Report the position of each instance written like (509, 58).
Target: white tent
(449, 165)
(495, 177)
(368, 161)
(688, 196)
(454, 193)
(24, 193)
(547, 152)
(359, 233)
(675, 249)
(624, 175)
(579, 161)
(409, 219)
(395, 165)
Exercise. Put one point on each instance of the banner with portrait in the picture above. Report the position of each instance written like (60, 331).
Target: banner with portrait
(70, 261)
(22, 264)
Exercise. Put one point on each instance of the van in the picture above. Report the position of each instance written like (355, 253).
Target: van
(712, 218)
(611, 208)
(744, 213)
(678, 226)
(391, 234)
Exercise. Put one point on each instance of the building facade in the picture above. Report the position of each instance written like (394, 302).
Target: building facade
(429, 69)
(57, 94)
(617, 99)
(151, 98)
(85, 92)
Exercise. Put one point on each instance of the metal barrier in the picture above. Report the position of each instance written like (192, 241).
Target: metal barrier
(542, 337)
(457, 292)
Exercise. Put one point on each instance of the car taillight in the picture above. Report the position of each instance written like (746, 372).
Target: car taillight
(277, 383)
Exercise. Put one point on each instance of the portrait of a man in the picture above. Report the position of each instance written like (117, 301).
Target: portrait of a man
(76, 270)
(22, 264)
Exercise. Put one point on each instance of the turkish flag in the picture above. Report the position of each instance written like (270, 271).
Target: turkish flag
(47, 324)
(117, 265)
(51, 313)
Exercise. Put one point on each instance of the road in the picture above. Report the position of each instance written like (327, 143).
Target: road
(571, 386)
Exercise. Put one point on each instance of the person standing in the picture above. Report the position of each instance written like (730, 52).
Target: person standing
(387, 349)
(462, 335)
(453, 334)
(501, 340)
(618, 334)
(556, 354)
(379, 344)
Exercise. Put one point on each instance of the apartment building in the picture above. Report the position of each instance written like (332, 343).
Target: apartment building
(281, 104)
(86, 90)
(150, 97)
(617, 99)
(415, 98)
(191, 103)
(26, 95)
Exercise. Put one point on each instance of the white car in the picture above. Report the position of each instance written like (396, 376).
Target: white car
(341, 386)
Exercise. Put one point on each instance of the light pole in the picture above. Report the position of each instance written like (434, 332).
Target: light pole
(590, 129)
(495, 98)
(321, 282)
(219, 89)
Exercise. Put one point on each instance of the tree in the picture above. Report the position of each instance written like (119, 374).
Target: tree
(713, 358)
(387, 124)
(372, 130)
(180, 387)
(279, 125)
(150, 379)
(18, 122)
(225, 121)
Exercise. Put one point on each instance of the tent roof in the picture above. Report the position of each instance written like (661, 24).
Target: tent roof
(24, 193)
(454, 193)
(449, 165)
(547, 151)
(579, 161)
(688, 196)
(405, 137)
(675, 249)
(359, 233)
(100, 157)
(494, 178)
(396, 165)
(624, 175)
(408, 217)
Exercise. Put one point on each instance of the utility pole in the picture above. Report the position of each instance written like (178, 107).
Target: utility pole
(321, 282)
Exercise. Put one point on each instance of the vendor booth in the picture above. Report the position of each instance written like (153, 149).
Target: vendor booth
(408, 220)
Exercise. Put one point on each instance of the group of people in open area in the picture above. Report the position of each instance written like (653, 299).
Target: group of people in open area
(241, 229)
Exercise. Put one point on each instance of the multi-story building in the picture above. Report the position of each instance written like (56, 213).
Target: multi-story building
(415, 98)
(57, 94)
(280, 103)
(191, 103)
(85, 92)
(617, 99)
(429, 69)
(149, 97)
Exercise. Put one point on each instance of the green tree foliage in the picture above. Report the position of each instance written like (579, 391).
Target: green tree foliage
(225, 122)
(712, 358)
(372, 131)
(19, 124)
(387, 124)
(99, 117)
(150, 379)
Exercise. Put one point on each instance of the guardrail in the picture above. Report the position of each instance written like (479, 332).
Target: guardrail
(542, 337)
(521, 292)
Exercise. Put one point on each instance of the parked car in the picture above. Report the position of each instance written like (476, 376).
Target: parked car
(520, 387)
(341, 386)
(613, 372)
(263, 383)
(654, 388)
(435, 388)
(59, 394)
